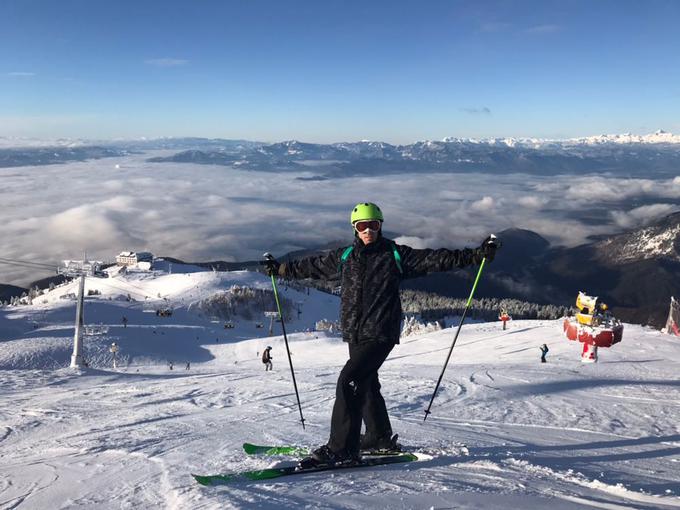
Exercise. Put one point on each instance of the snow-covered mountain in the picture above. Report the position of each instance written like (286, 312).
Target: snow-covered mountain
(658, 137)
(661, 240)
(506, 430)
(656, 153)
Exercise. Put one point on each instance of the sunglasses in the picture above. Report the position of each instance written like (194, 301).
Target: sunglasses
(362, 226)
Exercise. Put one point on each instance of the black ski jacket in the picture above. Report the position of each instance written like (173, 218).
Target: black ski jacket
(370, 307)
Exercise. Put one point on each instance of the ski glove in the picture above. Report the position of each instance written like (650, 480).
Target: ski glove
(488, 248)
(271, 266)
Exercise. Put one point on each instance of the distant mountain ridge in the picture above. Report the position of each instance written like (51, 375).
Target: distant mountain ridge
(655, 154)
(35, 156)
(170, 142)
(658, 153)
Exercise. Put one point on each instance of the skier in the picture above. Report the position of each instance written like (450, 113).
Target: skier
(544, 351)
(370, 271)
(267, 358)
(125, 321)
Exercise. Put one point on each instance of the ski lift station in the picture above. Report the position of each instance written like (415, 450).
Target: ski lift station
(79, 267)
(131, 258)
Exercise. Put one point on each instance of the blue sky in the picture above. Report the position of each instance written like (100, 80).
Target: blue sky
(327, 71)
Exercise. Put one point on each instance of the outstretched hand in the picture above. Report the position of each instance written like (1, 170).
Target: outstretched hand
(488, 247)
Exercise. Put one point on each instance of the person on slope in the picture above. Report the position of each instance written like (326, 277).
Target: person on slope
(544, 352)
(267, 358)
(370, 272)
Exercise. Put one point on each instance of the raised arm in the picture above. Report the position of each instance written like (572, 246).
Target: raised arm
(320, 267)
(420, 262)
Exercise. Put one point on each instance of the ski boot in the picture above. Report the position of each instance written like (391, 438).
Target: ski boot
(385, 445)
(324, 456)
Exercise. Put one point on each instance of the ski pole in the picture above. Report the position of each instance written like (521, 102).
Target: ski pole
(467, 307)
(269, 256)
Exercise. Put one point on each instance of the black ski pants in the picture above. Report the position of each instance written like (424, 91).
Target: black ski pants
(357, 398)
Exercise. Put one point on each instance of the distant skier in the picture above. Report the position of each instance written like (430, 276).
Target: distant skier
(125, 321)
(267, 358)
(188, 367)
(544, 351)
(170, 365)
(370, 271)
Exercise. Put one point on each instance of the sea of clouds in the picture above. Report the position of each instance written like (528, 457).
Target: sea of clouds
(200, 212)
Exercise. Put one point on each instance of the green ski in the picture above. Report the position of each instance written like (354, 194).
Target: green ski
(269, 473)
(255, 449)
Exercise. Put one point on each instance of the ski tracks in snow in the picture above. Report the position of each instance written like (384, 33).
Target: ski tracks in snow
(506, 431)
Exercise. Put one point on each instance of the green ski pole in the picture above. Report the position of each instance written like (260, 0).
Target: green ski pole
(269, 256)
(462, 319)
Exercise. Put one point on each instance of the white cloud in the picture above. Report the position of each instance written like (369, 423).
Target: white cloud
(605, 189)
(21, 74)
(166, 62)
(485, 204)
(113, 185)
(477, 111)
(532, 202)
(82, 227)
(643, 215)
(454, 194)
(197, 212)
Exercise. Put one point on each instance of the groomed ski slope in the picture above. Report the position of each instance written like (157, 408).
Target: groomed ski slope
(506, 430)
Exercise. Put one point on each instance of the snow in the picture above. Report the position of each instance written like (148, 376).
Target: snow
(658, 137)
(505, 431)
(647, 243)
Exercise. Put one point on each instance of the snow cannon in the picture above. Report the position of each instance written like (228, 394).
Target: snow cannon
(593, 325)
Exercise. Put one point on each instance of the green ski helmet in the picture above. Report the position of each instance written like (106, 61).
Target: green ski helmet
(366, 211)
